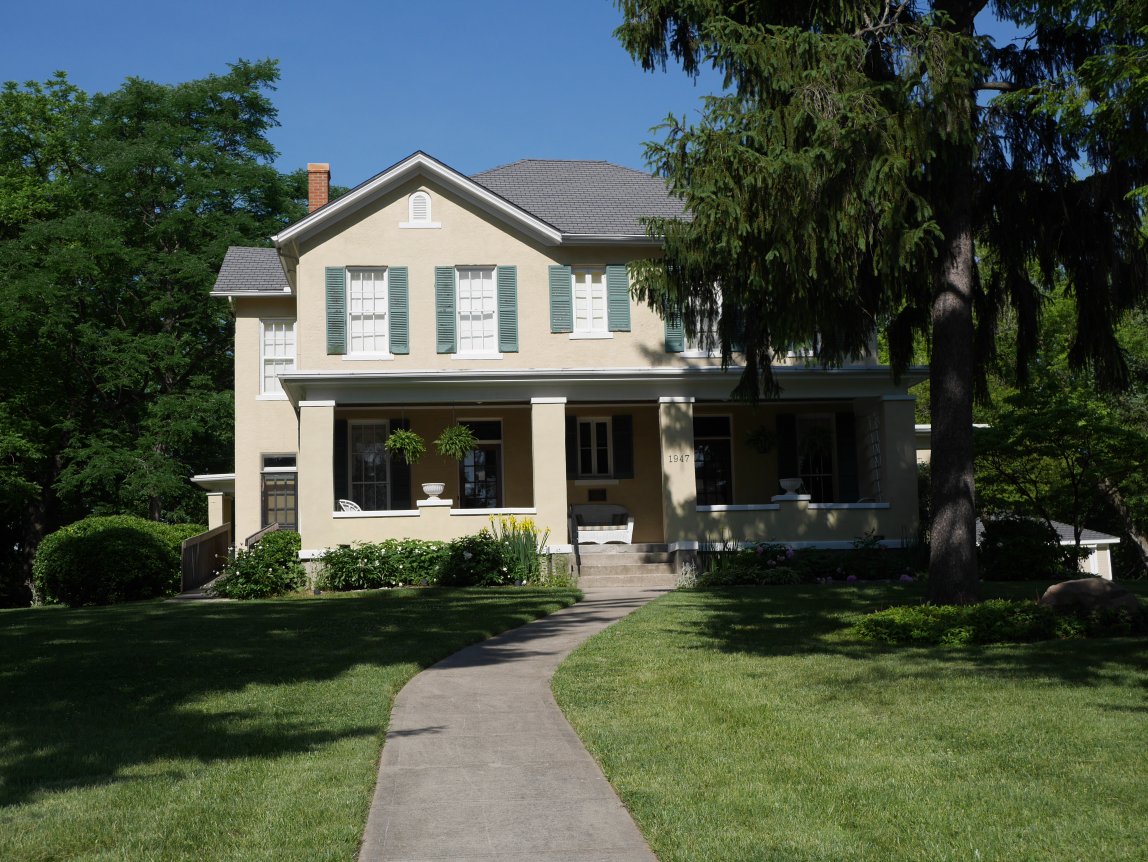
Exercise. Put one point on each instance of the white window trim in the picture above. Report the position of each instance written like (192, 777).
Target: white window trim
(589, 333)
(474, 354)
(281, 395)
(596, 477)
(350, 354)
(412, 222)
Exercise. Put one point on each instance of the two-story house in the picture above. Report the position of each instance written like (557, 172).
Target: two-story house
(423, 297)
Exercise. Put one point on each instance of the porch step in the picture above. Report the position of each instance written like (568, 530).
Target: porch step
(647, 548)
(637, 579)
(597, 561)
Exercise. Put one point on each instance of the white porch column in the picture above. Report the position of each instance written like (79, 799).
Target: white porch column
(316, 488)
(679, 487)
(548, 465)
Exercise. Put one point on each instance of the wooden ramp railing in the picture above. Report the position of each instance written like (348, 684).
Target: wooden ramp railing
(202, 556)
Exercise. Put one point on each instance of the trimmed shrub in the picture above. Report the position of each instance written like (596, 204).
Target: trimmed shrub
(270, 568)
(393, 563)
(1022, 549)
(104, 560)
(765, 564)
(480, 560)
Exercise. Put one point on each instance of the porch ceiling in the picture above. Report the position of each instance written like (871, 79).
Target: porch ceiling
(581, 384)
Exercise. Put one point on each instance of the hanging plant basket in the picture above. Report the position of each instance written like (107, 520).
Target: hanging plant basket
(761, 440)
(406, 444)
(456, 441)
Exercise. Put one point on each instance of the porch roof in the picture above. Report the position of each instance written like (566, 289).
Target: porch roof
(711, 383)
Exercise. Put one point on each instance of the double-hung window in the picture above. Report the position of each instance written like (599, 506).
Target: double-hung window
(369, 465)
(277, 354)
(594, 448)
(590, 317)
(477, 310)
(367, 311)
(816, 445)
(713, 467)
(279, 492)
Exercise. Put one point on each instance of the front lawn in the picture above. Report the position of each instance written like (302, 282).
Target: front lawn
(746, 724)
(216, 731)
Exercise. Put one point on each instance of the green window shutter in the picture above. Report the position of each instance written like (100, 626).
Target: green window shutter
(444, 314)
(622, 428)
(400, 472)
(508, 309)
(336, 310)
(617, 298)
(786, 445)
(561, 299)
(675, 332)
(847, 484)
(397, 303)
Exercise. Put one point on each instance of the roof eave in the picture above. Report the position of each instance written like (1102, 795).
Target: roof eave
(611, 239)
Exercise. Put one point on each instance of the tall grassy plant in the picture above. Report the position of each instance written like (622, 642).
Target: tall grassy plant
(523, 544)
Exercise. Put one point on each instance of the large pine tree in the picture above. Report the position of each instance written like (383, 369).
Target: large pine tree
(865, 156)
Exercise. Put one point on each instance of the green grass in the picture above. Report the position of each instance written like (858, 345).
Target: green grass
(215, 731)
(746, 725)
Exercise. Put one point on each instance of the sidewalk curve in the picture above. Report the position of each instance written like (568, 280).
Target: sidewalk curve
(480, 764)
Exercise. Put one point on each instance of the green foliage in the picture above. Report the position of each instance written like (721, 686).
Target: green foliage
(991, 622)
(771, 563)
(104, 560)
(456, 441)
(407, 444)
(480, 560)
(524, 545)
(271, 568)
(1022, 549)
(393, 563)
(115, 213)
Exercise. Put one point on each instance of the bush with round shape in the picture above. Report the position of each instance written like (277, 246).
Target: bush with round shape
(1023, 549)
(270, 568)
(391, 563)
(104, 560)
(480, 560)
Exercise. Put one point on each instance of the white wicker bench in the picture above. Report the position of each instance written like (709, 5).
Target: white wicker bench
(599, 523)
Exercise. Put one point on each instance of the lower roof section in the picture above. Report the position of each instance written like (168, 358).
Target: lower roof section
(586, 384)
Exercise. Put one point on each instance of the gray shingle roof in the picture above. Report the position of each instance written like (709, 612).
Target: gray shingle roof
(1064, 532)
(250, 270)
(580, 197)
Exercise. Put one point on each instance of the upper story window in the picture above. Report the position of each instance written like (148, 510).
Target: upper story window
(419, 211)
(707, 342)
(590, 316)
(477, 310)
(276, 354)
(367, 311)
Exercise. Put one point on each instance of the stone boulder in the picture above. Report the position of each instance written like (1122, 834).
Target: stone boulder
(1088, 594)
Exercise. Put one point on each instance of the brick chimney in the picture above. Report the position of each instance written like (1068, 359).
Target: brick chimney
(318, 185)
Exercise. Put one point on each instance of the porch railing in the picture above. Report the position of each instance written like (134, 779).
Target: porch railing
(253, 540)
(201, 556)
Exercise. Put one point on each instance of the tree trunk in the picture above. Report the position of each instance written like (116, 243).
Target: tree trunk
(953, 553)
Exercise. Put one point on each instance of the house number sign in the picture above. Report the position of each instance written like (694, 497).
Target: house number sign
(677, 459)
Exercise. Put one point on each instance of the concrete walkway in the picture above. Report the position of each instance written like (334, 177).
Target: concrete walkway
(480, 765)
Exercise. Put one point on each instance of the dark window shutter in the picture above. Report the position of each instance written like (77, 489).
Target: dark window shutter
(397, 303)
(341, 465)
(400, 473)
(675, 332)
(571, 447)
(617, 298)
(444, 315)
(508, 309)
(623, 431)
(336, 310)
(561, 299)
(847, 488)
(786, 445)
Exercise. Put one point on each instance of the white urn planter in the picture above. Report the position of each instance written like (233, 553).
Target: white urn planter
(790, 486)
(433, 489)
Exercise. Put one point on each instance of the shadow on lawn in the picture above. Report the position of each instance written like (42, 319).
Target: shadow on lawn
(814, 620)
(88, 693)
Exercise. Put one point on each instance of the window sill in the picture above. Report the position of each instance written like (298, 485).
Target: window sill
(480, 356)
(368, 357)
(740, 507)
(591, 482)
(700, 354)
(590, 336)
(378, 513)
(272, 397)
(488, 512)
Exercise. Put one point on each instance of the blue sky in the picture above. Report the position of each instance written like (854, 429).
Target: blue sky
(363, 84)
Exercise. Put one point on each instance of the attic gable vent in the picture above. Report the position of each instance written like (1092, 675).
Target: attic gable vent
(419, 211)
